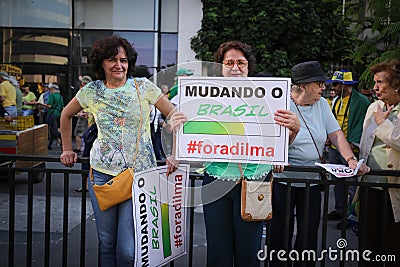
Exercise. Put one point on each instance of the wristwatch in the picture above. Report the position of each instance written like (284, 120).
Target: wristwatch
(352, 157)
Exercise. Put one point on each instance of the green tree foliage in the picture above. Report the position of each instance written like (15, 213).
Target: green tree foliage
(281, 32)
(381, 28)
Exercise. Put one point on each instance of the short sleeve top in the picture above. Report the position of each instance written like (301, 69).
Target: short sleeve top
(117, 114)
(302, 151)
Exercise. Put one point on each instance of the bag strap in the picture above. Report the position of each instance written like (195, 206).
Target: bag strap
(312, 137)
(241, 171)
(140, 126)
(138, 136)
(336, 112)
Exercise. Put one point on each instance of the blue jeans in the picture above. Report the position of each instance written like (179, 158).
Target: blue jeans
(231, 241)
(27, 112)
(340, 198)
(11, 110)
(114, 228)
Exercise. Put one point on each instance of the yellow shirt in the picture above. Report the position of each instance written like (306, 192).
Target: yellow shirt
(8, 91)
(342, 116)
(329, 102)
(339, 110)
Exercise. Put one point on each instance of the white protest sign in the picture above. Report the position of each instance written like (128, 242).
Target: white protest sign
(340, 171)
(159, 215)
(232, 119)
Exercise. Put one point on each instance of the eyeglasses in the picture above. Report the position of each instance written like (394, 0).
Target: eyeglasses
(241, 63)
(321, 84)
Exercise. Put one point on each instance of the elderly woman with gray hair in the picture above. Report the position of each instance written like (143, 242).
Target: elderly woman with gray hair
(317, 122)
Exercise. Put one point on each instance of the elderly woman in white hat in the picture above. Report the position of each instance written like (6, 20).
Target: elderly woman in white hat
(317, 122)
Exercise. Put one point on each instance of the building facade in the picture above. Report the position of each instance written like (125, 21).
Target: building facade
(50, 40)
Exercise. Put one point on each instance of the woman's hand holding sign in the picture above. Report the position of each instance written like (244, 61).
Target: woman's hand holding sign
(288, 119)
(177, 118)
(172, 164)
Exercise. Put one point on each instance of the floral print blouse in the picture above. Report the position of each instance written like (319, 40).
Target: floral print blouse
(117, 114)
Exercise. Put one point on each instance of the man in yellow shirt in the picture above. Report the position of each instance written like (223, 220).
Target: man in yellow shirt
(349, 108)
(8, 95)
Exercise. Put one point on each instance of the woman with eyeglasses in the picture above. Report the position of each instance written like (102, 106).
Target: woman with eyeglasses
(317, 122)
(231, 241)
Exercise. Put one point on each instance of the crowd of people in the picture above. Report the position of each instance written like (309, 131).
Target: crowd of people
(348, 124)
(44, 104)
(17, 100)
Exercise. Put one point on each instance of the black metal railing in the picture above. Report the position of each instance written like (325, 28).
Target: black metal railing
(29, 243)
(44, 252)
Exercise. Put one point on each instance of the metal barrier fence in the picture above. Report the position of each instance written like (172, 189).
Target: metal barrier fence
(21, 253)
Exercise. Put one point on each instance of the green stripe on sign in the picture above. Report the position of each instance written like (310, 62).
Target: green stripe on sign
(165, 230)
(213, 127)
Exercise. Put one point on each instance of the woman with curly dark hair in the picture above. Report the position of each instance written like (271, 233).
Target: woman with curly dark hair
(119, 103)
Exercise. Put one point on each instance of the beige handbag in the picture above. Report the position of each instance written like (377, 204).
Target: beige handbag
(256, 199)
